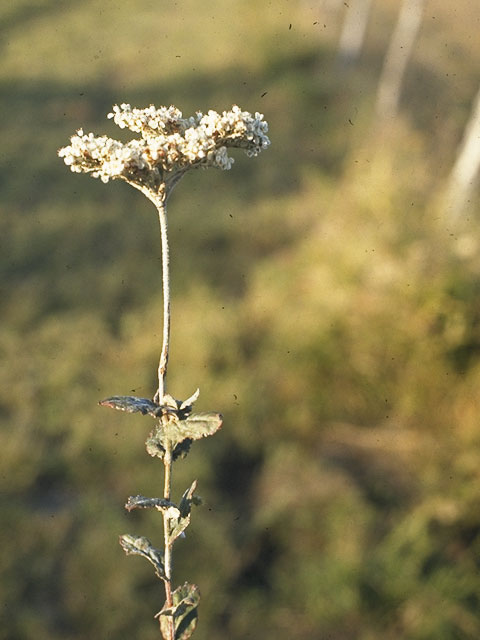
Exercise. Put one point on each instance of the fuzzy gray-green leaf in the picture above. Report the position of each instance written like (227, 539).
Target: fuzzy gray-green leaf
(181, 522)
(184, 611)
(141, 546)
(141, 502)
(156, 443)
(132, 404)
(188, 403)
(177, 434)
(195, 427)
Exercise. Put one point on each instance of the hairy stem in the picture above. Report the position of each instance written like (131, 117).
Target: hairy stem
(161, 205)
(162, 365)
(158, 197)
(167, 461)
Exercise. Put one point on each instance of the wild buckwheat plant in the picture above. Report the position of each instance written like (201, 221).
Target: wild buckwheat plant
(169, 146)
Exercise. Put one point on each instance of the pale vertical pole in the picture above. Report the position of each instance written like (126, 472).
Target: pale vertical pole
(465, 170)
(353, 31)
(397, 57)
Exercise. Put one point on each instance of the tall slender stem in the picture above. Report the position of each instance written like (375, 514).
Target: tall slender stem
(162, 365)
(162, 374)
(159, 198)
(161, 205)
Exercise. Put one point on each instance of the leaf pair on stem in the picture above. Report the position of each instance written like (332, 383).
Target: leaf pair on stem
(171, 438)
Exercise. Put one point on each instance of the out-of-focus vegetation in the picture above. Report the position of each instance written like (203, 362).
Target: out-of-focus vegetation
(322, 301)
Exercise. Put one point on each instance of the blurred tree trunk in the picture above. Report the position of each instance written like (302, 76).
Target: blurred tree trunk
(353, 31)
(465, 170)
(397, 57)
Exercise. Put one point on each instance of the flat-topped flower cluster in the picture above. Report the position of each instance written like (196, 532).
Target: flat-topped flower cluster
(169, 143)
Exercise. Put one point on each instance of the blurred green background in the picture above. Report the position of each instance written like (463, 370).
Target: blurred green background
(322, 301)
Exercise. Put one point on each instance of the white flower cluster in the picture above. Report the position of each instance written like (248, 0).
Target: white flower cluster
(104, 157)
(169, 143)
